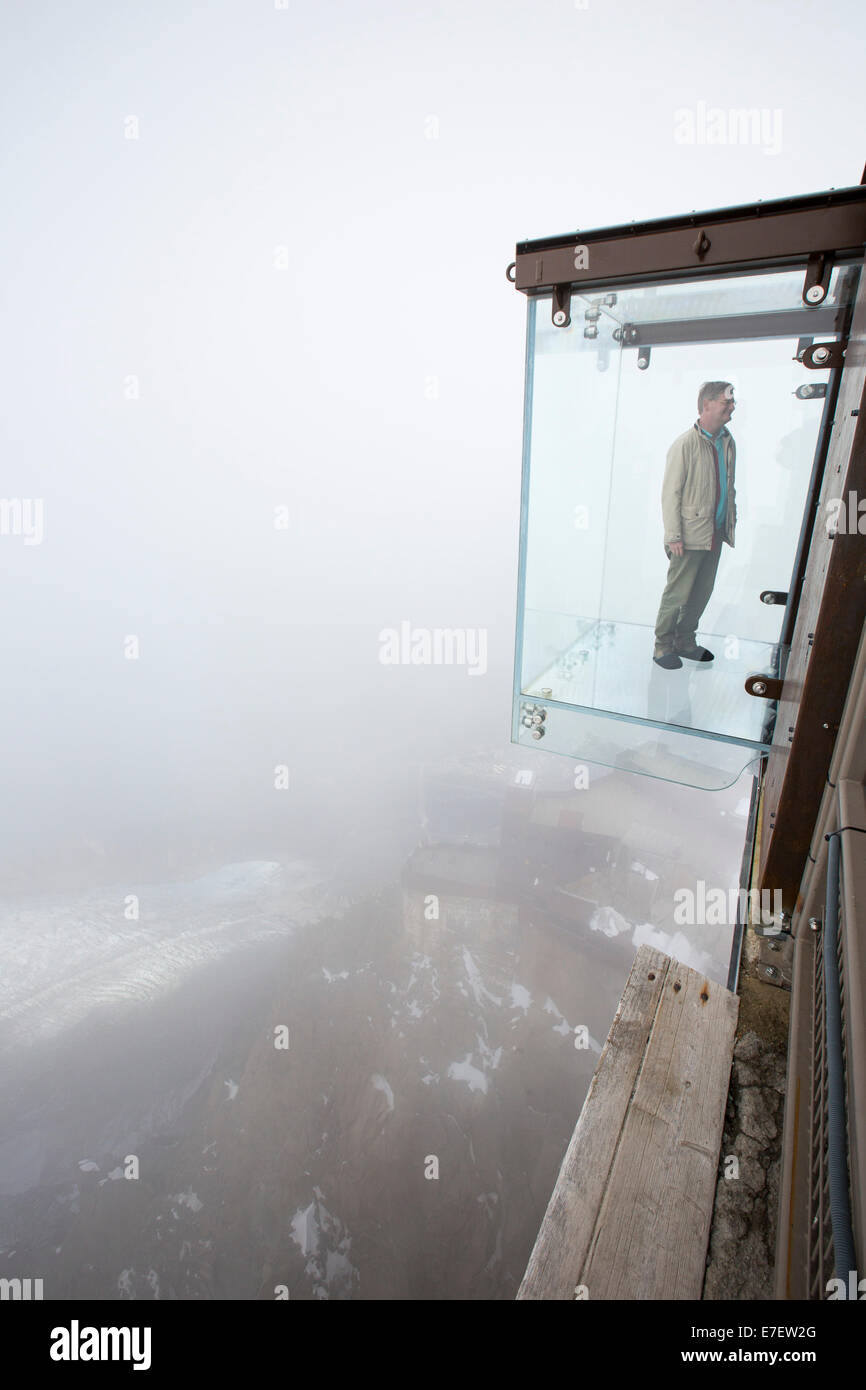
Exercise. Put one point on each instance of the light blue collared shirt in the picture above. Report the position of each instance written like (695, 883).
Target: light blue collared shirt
(717, 440)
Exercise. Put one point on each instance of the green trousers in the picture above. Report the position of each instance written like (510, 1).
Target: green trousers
(690, 581)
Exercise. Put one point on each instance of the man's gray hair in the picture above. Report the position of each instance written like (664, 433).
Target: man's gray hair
(711, 390)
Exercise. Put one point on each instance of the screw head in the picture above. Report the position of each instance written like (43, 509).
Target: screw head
(815, 293)
(559, 318)
(759, 687)
(814, 923)
(821, 354)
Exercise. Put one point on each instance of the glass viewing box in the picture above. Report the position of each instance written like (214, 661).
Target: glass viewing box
(624, 327)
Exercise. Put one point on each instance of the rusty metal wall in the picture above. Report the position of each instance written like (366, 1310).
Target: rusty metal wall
(805, 1250)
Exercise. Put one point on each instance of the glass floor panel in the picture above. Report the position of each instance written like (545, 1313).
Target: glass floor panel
(669, 754)
(609, 666)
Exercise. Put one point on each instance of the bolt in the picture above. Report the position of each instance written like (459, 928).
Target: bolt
(815, 293)
(821, 354)
(814, 923)
(559, 318)
(759, 687)
(770, 971)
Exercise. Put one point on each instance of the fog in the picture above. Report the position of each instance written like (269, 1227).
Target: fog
(262, 401)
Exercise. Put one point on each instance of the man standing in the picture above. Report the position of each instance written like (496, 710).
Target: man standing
(699, 512)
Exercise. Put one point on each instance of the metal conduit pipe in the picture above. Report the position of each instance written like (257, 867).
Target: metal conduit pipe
(837, 1143)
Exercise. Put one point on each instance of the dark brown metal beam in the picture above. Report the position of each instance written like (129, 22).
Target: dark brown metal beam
(830, 618)
(751, 237)
(776, 323)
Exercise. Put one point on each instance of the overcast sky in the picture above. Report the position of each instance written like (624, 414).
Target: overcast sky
(253, 258)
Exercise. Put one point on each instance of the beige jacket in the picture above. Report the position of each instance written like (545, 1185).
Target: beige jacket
(689, 490)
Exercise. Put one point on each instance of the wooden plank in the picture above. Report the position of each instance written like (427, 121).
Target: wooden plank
(563, 1241)
(653, 1226)
(630, 1214)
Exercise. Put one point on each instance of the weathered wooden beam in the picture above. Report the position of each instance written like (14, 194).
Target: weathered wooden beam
(630, 1214)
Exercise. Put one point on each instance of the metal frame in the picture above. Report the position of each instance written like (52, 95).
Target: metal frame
(777, 323)
(754, 236)
(745, 882)
(810, 511)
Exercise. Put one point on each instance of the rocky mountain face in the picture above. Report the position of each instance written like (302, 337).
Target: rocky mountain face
(288, 1080)
(403, 1145)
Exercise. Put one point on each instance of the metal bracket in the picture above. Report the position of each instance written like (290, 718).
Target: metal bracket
(820, 356)
(817, 282)
(773, 596)
(764, 687)
(775, 962)
(561, 306)
(532, 717)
